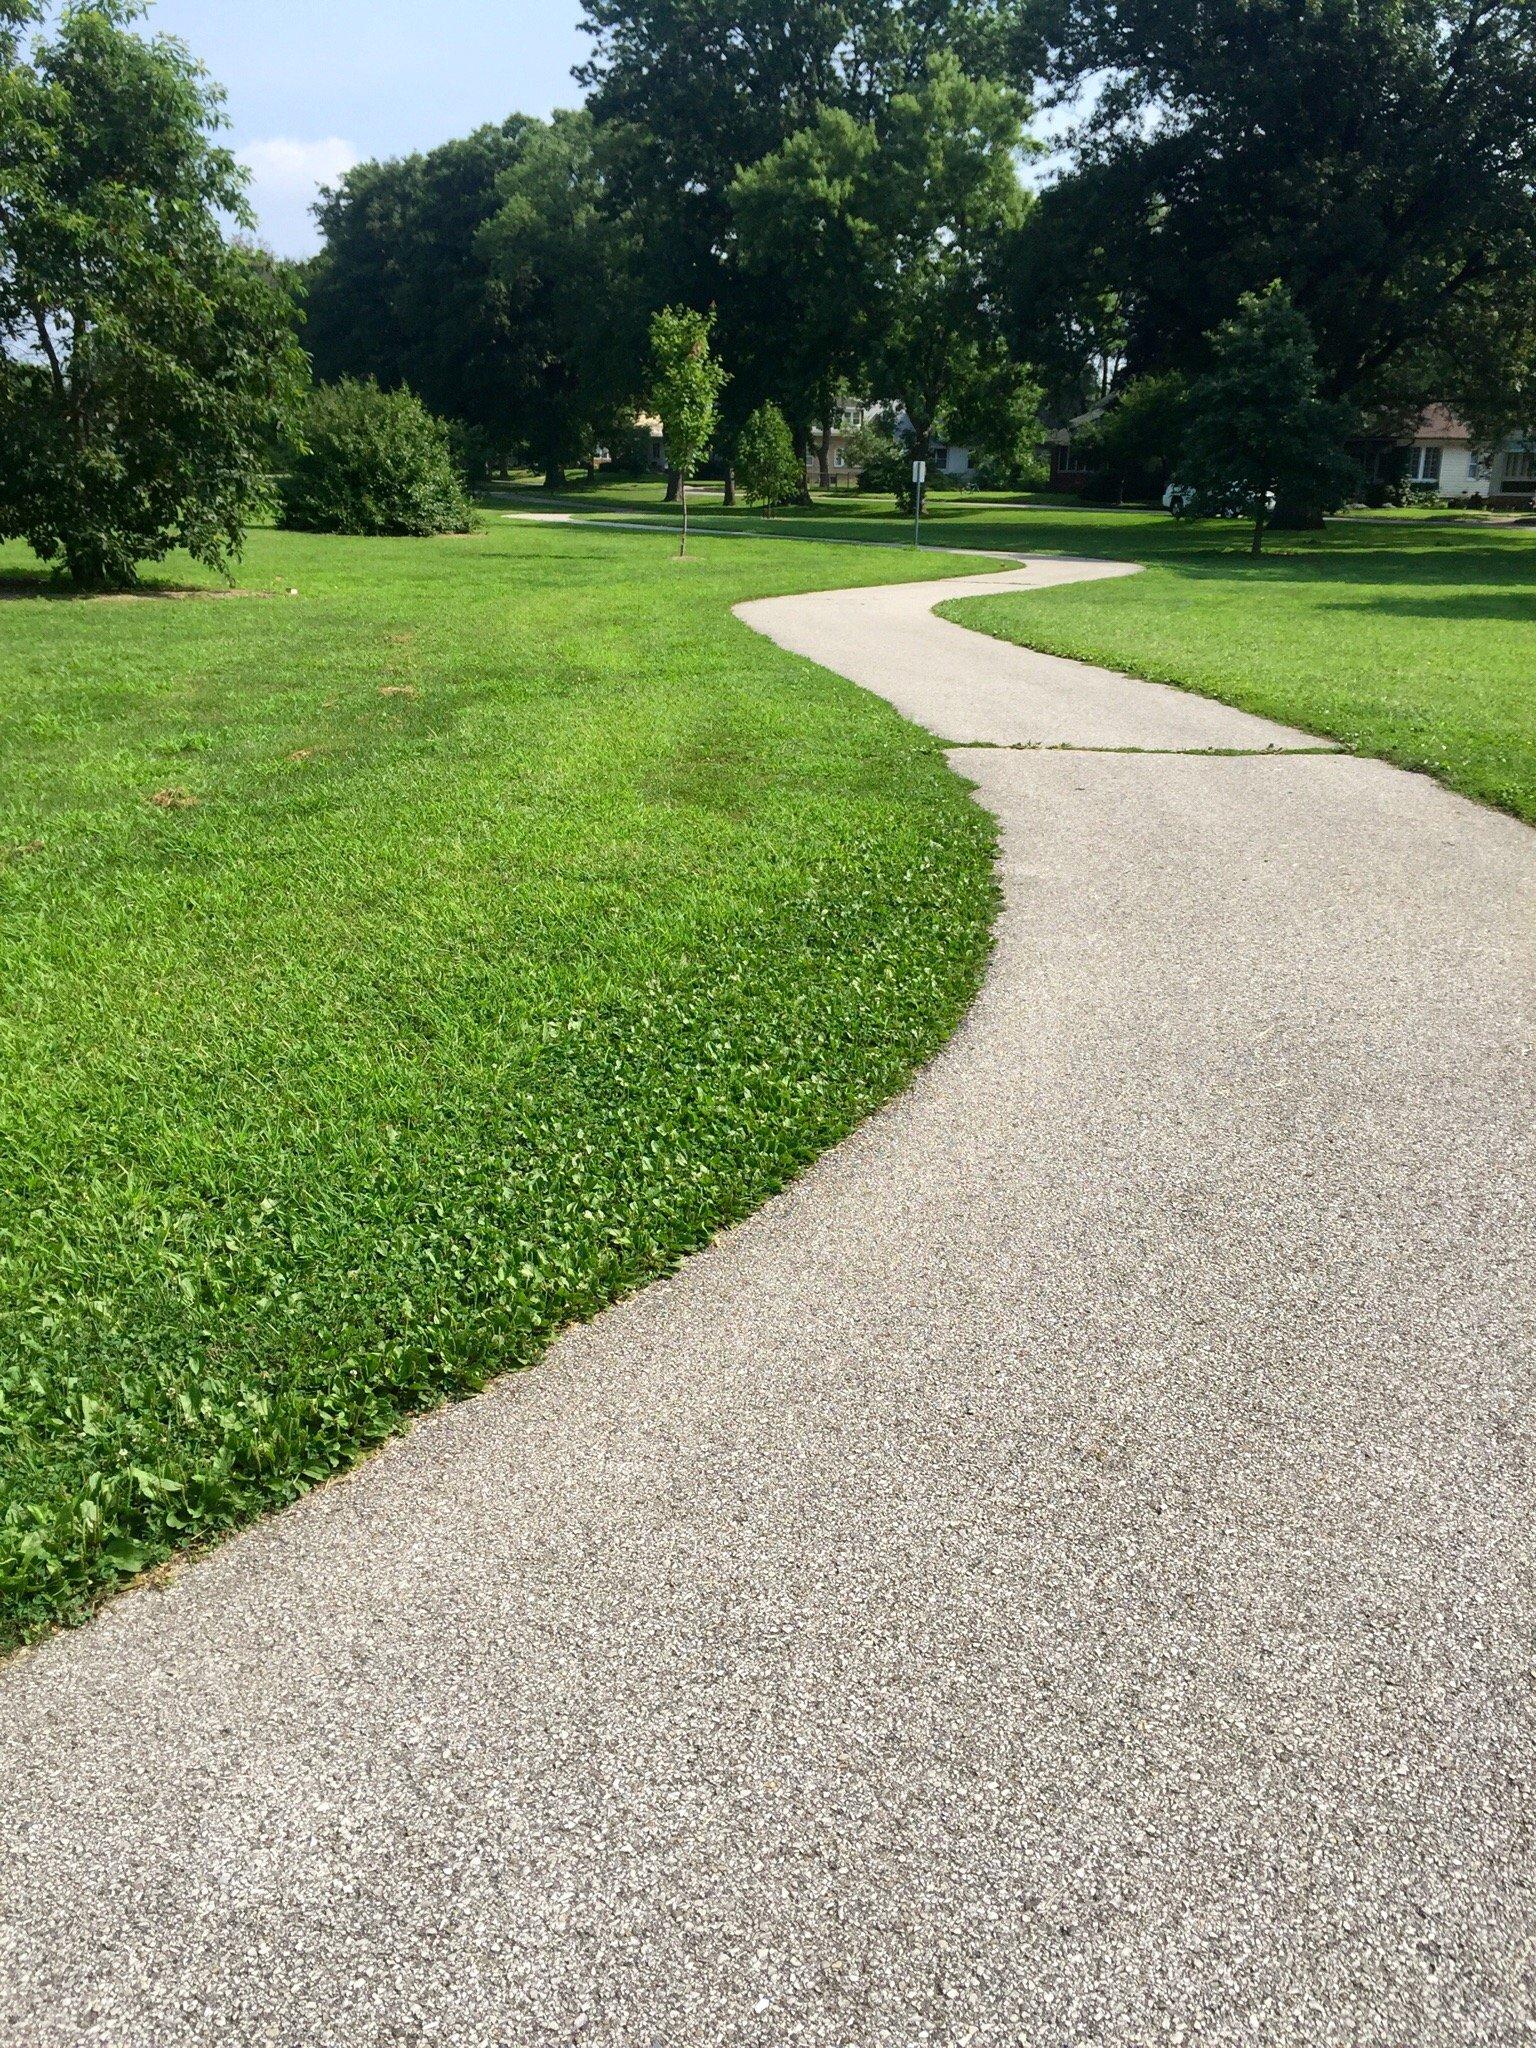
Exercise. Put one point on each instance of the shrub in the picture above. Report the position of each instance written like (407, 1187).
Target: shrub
(883, 459)
(373, 462)
(766, 462)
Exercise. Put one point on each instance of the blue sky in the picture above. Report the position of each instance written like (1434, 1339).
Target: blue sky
(314, 85)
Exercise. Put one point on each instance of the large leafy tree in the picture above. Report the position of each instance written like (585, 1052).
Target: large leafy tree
(691, 91)
(911, 212)
(403, 290)
(1258, 434)
(565, 264)
(147, 364)
(1377, 155)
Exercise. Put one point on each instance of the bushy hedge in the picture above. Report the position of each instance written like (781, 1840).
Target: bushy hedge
(373, 462)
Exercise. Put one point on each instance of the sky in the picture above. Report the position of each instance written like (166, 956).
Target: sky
(317, 85)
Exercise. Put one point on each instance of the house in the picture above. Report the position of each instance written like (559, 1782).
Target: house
(1441, 460)
(947, 459)
(1070, 468)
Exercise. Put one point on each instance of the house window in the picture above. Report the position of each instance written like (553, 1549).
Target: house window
(1520, 469)
(1067, 463)
(1424, 465)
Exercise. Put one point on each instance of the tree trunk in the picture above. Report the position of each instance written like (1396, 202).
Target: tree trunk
(554, 476)
(801, 438)
(1258, 535)
(728, 502)
(824, 457)
(673, 481)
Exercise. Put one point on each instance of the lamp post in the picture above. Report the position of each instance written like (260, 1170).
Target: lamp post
(919, 478)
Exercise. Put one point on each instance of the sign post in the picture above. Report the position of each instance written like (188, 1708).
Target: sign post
(919, 478)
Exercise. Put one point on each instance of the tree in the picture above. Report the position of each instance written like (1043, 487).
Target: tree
(770, 471)
(146, 362)
(1377, 156)
(1136, 440)
(685, 392)
(1258, 434)
(566, 263)
(405, 291)
(914, 210)
(802, 265)
(690, 91)
(372, 462)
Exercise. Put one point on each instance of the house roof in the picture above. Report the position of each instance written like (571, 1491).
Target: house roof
(1439, 423)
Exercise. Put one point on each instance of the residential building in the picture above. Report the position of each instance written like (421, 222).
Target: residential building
(1442, 459)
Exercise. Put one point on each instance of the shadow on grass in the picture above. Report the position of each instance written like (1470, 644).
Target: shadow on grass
(42, 583)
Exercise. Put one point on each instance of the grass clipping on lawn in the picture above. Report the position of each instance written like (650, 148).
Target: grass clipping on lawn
(399, 971)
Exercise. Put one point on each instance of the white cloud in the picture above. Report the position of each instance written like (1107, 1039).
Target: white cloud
(286, 176)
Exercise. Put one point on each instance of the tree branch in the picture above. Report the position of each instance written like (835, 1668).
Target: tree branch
(60, 386)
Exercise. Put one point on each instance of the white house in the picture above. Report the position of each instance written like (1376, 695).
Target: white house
(943, 457)
(1441, 458)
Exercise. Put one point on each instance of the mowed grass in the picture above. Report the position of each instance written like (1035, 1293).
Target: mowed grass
(1411, 638)
(397, 971)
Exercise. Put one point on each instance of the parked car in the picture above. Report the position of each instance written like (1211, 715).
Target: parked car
(1185, 502)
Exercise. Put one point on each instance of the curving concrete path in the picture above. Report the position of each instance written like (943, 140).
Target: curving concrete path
(1059, 1574)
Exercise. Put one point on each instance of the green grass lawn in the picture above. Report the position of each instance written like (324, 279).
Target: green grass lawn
(1412, 638)
(398, 970)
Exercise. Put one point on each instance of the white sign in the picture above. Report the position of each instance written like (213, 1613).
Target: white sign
(919, 472)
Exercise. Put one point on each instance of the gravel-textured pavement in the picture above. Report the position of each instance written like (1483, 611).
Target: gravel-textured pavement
(1060, 1574)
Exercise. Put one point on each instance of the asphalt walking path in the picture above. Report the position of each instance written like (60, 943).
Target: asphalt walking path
(1058, 1574)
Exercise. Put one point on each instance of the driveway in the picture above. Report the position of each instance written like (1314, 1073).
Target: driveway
(1058, 1574)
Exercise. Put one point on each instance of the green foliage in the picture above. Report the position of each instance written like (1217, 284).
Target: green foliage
(908, 212)
(1135, 441)
(565, 264)
(146, 364)
(1376, 156)
(404, 291)
(372, 462)
(690, 91)
(520, 920)
(882, 458)
(769, 470)
(1257, 435)
(686, 382)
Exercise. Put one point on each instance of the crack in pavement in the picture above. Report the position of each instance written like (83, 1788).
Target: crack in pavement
(1070, 747)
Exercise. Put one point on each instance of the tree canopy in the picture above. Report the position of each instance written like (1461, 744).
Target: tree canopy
(565, 262)
(147, 363)
(1378, 156)
(906, 217)
(405, 292)
(834, 186)
(1258, 435)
